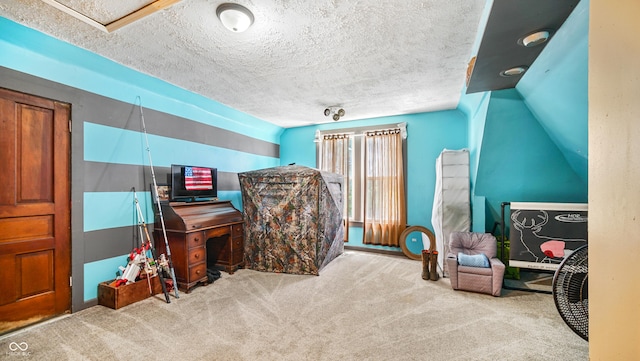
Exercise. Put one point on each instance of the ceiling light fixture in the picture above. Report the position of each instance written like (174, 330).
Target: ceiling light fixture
(534, 39)
(513, 71)
(337, 112)
(234, 17)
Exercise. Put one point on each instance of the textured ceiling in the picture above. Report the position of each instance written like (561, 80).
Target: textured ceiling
(373, 58)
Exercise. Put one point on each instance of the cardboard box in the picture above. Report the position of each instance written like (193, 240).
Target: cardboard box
(117, 297)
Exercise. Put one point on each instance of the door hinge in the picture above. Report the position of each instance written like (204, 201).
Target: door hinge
(69, 125)
(70, 281)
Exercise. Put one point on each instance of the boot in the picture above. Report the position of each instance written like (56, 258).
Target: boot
(425, 264)
(433, 262)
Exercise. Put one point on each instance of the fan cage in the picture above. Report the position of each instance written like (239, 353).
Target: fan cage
(570, 291)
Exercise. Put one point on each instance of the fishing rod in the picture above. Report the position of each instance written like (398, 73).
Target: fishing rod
(157, 198)
(143, 226)
(142, 244)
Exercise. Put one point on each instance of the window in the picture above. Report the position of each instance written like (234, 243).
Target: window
(343, 151)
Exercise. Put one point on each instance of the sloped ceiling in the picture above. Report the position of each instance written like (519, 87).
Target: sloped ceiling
(555, 89)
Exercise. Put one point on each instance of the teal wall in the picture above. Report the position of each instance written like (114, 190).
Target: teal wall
(428, 135)
(475, 107)
(555, 89)
(518, 160)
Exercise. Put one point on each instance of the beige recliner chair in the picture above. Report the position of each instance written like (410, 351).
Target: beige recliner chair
(473, 263)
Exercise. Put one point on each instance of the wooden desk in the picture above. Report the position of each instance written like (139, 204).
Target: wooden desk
(200, 235)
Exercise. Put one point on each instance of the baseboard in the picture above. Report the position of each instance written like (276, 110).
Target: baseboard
(374, 250)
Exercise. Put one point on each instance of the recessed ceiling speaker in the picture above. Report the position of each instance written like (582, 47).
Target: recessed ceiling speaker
(517, 70)
(534, 39)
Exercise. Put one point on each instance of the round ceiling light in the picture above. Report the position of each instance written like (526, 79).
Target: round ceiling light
(513, 71)
(235, 17)
(534, 39)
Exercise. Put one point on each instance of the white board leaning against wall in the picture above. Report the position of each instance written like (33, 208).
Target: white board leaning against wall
(542, 235)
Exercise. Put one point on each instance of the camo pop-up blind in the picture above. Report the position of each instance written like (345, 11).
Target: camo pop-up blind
(293, 219)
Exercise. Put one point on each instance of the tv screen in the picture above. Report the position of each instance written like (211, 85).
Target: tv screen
(193, 183)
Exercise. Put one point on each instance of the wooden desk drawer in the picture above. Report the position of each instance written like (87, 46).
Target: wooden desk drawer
(238, 230)
(217, 232)
(237, 244)
(196, 255)
(238, 257)
(195, 239)
(197, 272)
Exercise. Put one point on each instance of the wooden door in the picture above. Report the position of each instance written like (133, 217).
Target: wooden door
(35, 245)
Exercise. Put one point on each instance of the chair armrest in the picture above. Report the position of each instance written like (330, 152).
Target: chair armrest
(498, 268)
(452, 261)
(496, 265)
(452, 268)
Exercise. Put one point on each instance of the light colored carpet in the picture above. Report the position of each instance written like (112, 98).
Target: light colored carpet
(363, 306)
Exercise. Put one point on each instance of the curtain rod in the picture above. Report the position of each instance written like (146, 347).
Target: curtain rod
(361, 132)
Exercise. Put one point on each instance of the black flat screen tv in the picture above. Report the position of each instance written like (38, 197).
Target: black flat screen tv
(193, 183)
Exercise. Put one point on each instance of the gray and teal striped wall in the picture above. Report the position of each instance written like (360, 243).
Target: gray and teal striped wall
(108, 147)
(116, 159)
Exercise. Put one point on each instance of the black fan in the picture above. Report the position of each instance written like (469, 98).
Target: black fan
(570, 291)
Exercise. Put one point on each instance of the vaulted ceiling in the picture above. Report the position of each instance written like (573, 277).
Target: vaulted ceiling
(372, 58)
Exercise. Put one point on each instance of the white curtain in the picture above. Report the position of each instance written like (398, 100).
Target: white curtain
(385, 204)
(334, 158)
